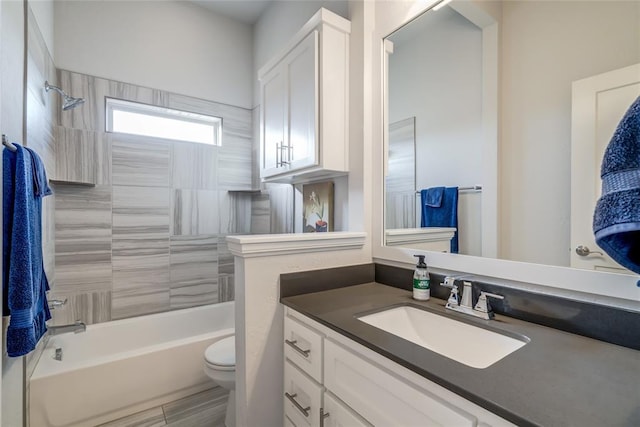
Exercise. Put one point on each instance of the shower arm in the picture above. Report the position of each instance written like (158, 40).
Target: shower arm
(47, 86)
(68, 102)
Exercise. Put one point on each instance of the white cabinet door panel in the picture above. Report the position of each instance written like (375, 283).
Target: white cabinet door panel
(383, 398)
(302, 97)
(339, 415)
(273, 120)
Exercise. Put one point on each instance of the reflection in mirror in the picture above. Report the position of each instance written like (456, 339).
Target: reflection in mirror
(400, 182)
(549, 57)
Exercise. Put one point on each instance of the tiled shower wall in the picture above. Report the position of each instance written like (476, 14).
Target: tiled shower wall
(150, 235)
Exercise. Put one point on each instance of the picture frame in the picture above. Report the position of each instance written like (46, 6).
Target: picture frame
(317, 207)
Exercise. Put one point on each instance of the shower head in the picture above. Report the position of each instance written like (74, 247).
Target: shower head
(71, 102)
(68, 102)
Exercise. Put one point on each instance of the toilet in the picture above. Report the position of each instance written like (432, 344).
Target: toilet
(220, 366)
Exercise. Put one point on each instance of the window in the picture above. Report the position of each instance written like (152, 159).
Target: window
(160, 122)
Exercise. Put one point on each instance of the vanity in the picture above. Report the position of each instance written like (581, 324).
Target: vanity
(341, 370)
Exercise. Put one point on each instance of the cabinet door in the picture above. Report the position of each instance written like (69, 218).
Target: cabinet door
(302, 99)
(288, 422)
(381, 397)
(302, 397)
(336, 414)
(272, 121)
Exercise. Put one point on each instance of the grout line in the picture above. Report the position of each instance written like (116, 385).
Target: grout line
(164, 415)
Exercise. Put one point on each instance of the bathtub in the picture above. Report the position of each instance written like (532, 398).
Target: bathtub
(125, 366)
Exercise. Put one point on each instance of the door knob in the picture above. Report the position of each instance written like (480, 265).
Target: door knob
(584, 251)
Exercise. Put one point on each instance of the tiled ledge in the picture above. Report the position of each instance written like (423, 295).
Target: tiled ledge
(298, 243)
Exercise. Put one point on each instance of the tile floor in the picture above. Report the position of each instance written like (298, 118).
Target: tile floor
(204, 409)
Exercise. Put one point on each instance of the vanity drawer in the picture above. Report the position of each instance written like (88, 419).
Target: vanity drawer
(303, 346)
(302, 397)
(383, 398)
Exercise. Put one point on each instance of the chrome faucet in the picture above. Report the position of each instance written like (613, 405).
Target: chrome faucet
(465, 305)
(75, 328)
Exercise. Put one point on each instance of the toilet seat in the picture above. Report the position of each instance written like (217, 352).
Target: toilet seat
(221, 355)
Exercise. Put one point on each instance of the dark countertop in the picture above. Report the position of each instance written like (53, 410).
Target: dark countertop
(557, 379)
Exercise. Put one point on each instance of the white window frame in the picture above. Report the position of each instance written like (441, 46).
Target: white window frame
(114, 104)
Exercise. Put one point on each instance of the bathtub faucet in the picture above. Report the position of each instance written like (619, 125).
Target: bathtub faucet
(76, 328)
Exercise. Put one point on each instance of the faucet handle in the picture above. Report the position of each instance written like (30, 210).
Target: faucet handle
(449, 282)
(453, 302)
(482, 305)
(55, 303)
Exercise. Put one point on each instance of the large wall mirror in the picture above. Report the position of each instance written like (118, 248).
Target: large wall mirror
(514, 103)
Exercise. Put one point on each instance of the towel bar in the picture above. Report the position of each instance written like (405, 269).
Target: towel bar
(7, 144)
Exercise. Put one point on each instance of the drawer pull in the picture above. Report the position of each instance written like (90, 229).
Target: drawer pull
(292, 399)
(293, 345)
(323, 415)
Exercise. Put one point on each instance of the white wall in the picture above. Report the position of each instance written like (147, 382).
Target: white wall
(175, 46)
(278, 23)
(546, 46)
(435, 75)
(43, 12)
(259, 329)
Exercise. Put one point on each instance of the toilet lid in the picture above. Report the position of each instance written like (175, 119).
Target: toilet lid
(222, 353)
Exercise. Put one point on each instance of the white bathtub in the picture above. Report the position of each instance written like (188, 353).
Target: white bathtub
(121, 367)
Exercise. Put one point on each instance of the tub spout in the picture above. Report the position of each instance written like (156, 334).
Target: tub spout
(76, 328)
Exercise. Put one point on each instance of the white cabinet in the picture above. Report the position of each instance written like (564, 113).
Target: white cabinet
(304, 93)
(273, 119)
(336, 414)
(382, 398)
(307, 403)
(358, 387)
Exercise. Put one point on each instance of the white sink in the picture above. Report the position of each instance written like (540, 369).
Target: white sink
(471, 345)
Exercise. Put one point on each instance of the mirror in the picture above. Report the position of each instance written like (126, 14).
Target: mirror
(466, 106)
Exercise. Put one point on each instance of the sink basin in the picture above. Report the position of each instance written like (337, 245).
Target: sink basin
(465, 343)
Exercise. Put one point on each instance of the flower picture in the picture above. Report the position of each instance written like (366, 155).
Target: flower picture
(317, 207)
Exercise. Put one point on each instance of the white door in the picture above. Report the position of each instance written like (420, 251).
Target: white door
(302, 97)
(598, 104)
(273, 121)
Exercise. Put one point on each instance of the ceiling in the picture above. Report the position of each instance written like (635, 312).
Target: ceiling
(247, 11)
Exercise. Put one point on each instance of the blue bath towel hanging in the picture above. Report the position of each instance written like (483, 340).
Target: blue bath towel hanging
(616, 220)
(25, 284)
(439, 207)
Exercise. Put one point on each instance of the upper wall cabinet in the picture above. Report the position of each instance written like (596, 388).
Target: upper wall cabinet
(304, 124)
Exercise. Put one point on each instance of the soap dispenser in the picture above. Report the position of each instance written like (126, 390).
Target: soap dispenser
(421, 281)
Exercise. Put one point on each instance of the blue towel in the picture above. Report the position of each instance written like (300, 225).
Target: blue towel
(445, 214)
(433, 198)
(24, 282)
(40, 182)
(616, 220)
